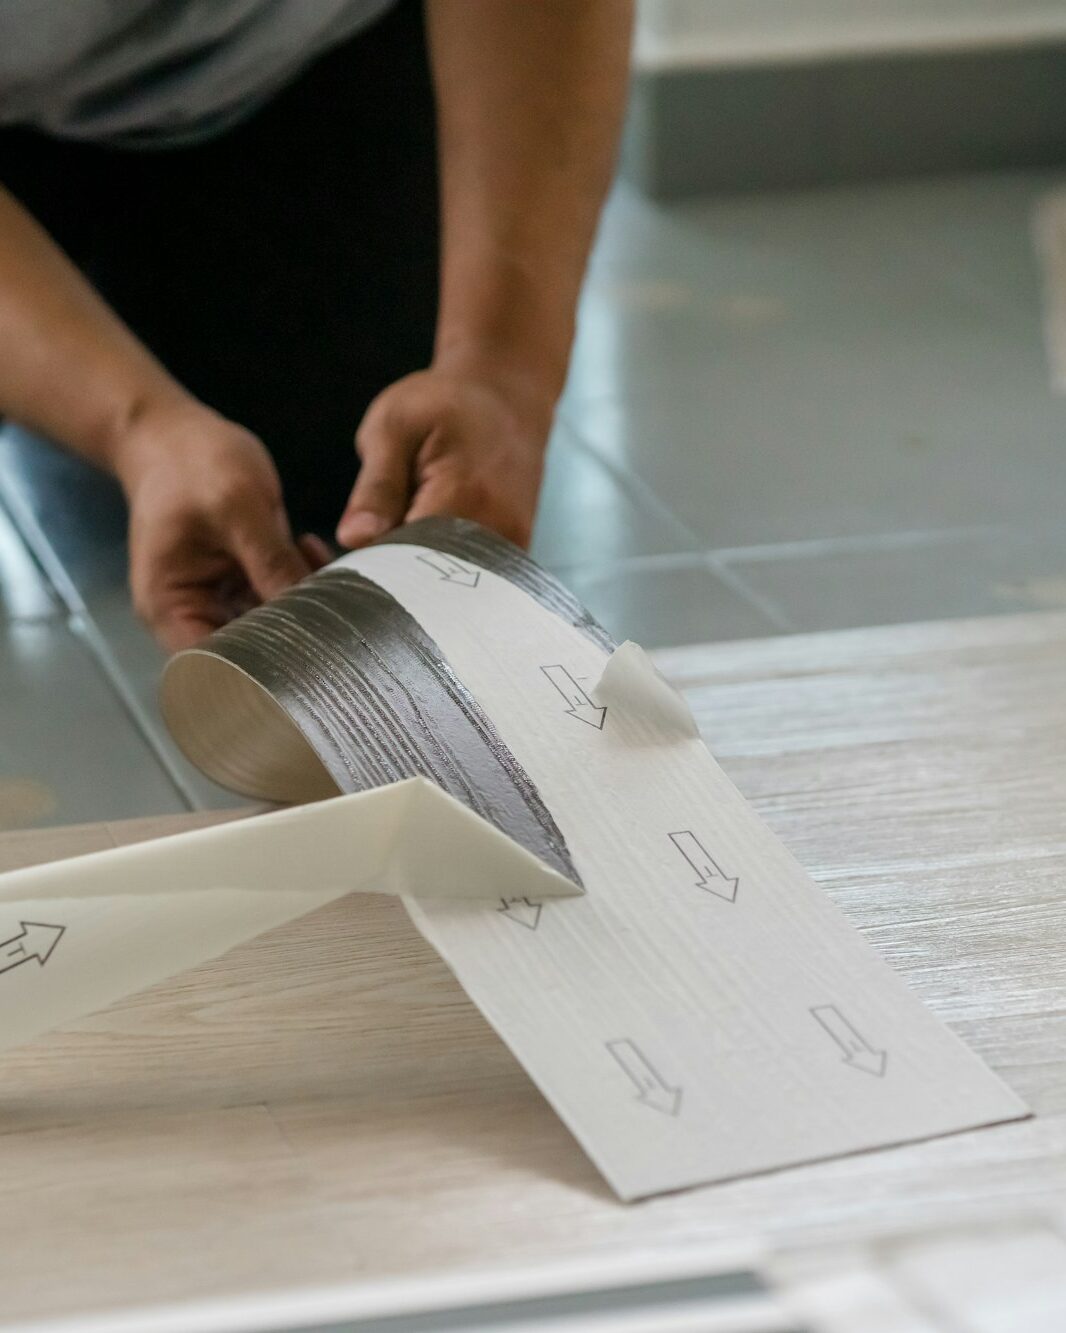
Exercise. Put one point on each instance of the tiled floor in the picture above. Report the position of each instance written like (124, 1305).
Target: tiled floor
(789, 412)
(835, 405)
(69, 750)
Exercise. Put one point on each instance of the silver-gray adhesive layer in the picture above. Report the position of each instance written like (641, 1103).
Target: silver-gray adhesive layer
(374, 697)
(470, 541)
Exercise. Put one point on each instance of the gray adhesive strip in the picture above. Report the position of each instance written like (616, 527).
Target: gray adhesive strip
(377, 701)
(469, 541)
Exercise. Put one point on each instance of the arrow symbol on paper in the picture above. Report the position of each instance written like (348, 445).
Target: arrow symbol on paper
(710, 875)
(578, 704)
(857, 1050)
(34, 940)
(521, 911)
(451, 570)
(651, 1089)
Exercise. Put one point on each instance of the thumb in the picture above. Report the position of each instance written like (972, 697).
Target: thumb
(387, 444)
(270, 558)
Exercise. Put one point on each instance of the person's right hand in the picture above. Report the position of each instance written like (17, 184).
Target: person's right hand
(209, 536)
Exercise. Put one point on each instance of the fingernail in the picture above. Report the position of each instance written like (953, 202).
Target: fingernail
(361, 527)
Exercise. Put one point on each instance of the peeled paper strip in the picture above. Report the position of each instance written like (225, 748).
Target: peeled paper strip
(121, 920)
(700, 1012)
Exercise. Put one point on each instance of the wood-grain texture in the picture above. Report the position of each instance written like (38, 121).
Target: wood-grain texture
(325, 1104)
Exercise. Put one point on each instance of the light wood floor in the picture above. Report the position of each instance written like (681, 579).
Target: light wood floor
(325, 1104)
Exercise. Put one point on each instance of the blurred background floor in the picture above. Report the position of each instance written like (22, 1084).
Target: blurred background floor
(786, 412)
(812, 410)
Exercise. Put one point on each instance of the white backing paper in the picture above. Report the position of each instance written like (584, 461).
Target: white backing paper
(703, 1011)
(82, 933)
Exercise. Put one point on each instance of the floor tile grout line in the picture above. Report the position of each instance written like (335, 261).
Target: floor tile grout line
(859, 544)
(57, 619)
(738, 584)
(633, 485)
(641, 492)
(681, 560)
(811, 548)
(636, 564)
(82, 625)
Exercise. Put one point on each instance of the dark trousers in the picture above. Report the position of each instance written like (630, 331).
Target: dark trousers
(285, 271)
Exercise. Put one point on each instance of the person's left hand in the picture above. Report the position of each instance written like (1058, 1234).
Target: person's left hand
(441, 442)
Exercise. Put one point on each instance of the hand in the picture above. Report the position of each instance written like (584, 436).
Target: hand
(208, 537)
(440, 442)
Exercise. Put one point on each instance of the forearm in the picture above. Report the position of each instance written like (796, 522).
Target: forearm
(69, 367)
(530, 99)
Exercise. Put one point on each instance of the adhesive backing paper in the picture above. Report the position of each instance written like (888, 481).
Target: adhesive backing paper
(689, 1002)
(114, 922)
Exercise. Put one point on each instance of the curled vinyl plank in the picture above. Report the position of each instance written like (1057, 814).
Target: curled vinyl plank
(368, 691)
(470, 541)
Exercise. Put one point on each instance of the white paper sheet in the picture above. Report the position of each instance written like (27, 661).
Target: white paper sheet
(704, 1011)
(79, 934)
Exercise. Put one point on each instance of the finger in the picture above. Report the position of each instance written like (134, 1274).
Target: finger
(184, 628)
(438, 495)
(314, 550)
(178, 617)
(442, 495)
(382, 490)
(269, 557)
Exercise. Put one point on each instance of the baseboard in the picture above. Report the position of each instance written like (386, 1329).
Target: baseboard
(822, 121)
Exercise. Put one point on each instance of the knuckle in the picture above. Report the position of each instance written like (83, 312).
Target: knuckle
(384, 415)
(364, 438)
(229, 499)
(236, 490)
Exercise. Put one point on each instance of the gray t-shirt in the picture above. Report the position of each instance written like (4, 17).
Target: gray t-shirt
(158, 71)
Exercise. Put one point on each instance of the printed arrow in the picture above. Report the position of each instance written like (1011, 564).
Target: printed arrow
(651, 1089)
(711, 877)
(521, 911)
(452, 570)
(578, 703)
(34, 940)
(857, 1050)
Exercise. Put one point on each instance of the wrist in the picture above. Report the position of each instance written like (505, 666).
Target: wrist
(129, 425)
(158, 428)
(508, 321)
(530, 390)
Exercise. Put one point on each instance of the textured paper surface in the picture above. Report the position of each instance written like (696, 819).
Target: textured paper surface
(704, 1011)
(82, 933)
